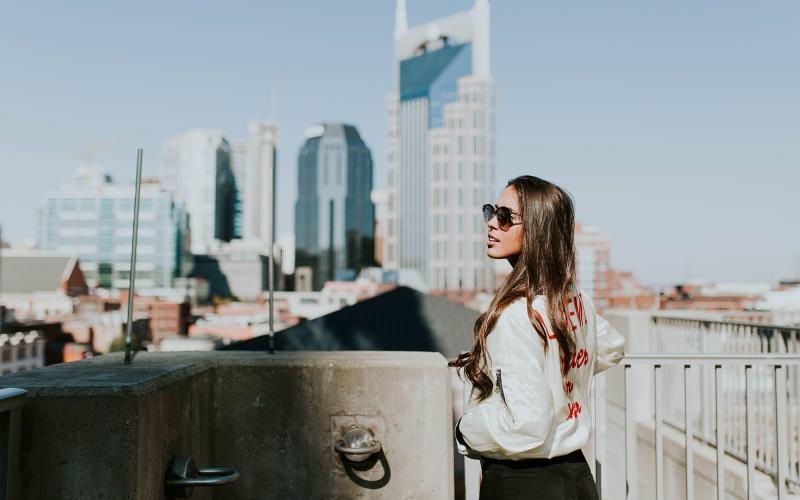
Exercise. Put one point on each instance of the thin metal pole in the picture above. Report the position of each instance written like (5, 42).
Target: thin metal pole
(720, 421)
(2, 307)
(271, 239)
(751, 441)
(134, 242)
(780, 427)
(630, 477)
(658, 384)
(689, 428)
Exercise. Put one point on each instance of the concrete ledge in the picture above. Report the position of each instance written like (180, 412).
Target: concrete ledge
(101, 429)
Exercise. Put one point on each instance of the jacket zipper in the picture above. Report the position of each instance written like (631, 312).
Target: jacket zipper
(499, 377)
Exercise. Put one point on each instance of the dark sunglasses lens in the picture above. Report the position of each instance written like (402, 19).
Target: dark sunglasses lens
(488, 212)
(503, 218)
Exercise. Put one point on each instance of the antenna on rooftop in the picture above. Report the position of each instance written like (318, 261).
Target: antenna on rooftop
(132, 277)
(271, 242)
(2, 307)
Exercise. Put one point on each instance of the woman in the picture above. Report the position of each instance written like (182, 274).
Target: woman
(535, 351)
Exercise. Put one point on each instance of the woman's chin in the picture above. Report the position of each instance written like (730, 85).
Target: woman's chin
(494, 253)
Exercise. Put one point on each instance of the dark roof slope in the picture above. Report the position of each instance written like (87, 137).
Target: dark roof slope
(399, 320)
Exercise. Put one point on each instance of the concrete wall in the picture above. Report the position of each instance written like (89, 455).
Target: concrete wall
(100, 429)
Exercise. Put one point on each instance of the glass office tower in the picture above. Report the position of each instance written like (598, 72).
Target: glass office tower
(334, 215)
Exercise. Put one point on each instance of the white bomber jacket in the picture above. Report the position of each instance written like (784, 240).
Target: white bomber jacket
(533, 411)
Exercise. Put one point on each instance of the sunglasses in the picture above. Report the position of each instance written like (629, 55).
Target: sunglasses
(503, 215)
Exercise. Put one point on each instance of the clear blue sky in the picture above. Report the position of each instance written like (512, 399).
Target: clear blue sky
(676, 125)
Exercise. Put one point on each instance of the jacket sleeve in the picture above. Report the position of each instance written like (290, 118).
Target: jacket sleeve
(610, 345)
(517, 417)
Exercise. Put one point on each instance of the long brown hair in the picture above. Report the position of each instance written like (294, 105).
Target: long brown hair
(545, 266)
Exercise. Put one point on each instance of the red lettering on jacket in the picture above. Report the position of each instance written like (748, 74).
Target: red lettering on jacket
(577, 317)
(543, 325)
(574, 410)
(568, 387)
(578, 359)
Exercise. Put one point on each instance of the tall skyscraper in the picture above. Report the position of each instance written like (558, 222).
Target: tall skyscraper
(196, 169)
(92, 218)
(441, 149)
(258, 188)
(334, 215)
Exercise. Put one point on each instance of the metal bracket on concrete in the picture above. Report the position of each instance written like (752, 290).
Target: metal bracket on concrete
(183, 477)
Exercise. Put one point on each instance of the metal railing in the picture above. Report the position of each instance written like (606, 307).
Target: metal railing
(21, 351)
(674, 335)
(771, 431)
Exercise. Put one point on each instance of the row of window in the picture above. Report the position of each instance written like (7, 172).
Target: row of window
(443, 149)
(440, 224)
(440, 170)
(94, 204)
(440, 198)
(476, 122)
(467, 278)
(441, 252)
(442, 249)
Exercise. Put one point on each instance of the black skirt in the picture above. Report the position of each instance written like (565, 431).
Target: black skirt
(559, 478)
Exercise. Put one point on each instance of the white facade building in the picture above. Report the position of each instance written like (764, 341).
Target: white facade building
(592, 263)
(258, 188)
(92, 218)
(441, 150)
(196, 169)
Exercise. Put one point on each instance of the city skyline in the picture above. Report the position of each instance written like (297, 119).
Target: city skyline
(660, 120)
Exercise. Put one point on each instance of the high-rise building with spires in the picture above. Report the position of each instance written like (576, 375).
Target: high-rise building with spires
(441, 149)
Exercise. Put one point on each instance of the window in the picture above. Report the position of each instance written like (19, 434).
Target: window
(460, 223)
(475, 119)
(460, 171)
(460, 144)
(475, 145)
(460, 198)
